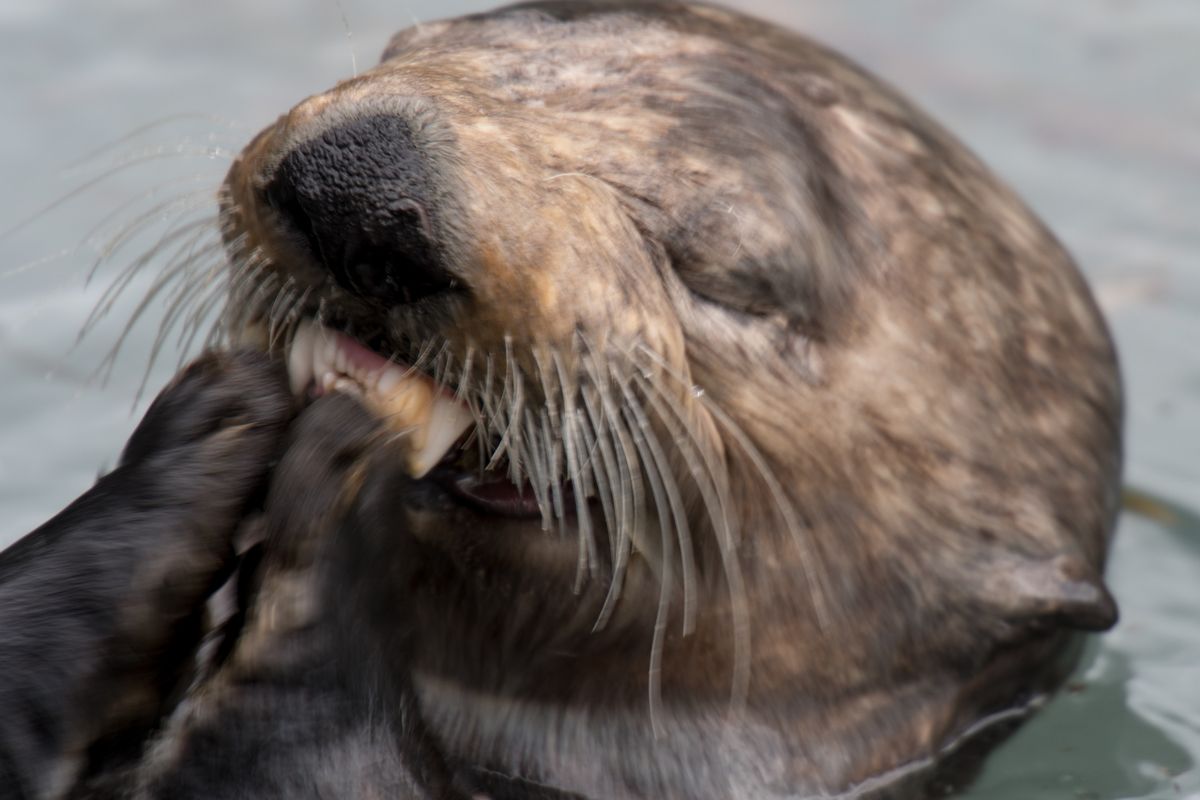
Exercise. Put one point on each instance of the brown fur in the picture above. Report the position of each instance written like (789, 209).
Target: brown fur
(906, 401)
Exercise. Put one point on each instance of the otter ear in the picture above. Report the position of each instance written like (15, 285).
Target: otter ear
(1059, 591)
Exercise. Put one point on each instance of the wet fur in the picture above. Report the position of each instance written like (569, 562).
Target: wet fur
(853, 419)
(101, 608)
(901, 406)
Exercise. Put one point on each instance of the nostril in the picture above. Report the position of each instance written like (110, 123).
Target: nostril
(390, 258)
(280, 196)
(358, 198)
(372, 272)
(373, 279)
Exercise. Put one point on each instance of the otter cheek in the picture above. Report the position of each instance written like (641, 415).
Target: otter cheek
(410, 403)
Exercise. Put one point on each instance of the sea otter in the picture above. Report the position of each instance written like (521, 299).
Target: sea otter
(688, 415)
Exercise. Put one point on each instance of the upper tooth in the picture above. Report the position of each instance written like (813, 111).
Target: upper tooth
(408, 401)
(300, 357)
(339, 360)
(325, 351)
(447, 420)
(414, 404)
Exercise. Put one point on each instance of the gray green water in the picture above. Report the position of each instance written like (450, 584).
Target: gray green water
(1090, 108)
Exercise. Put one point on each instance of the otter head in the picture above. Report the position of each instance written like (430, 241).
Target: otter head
(723, 369)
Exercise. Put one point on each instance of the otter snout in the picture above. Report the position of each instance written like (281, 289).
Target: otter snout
(360, 197)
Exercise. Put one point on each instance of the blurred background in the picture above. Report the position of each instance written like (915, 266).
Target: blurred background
(1090, 108)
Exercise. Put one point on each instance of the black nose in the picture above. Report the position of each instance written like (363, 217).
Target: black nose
(359, 195)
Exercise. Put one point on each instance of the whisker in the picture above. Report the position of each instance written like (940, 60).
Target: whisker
(192, 326)
(463, 389)
(181, 300)
(779, 499)
(161, 122)
(92, 183)
(184, 199)
(510, 397)
(589, 559)
(163, 280)
(283, 297)
(118, 285)
(294, 311)
(659, 470)
(536, 466)
(349, 38)
(553, 473)
(630, 500)
(175, 307)
(598, 440)
(713, 486)
(238, 308)
(37, 262)
(666, 570)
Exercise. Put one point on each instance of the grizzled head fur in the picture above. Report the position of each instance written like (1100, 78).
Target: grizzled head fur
(820, 420)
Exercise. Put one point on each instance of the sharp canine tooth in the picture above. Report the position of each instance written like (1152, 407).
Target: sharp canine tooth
(447, 421)
(412, 402)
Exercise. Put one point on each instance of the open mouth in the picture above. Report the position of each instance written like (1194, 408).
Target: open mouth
(438, 427)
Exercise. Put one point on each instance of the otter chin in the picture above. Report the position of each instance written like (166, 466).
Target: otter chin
(765, 443)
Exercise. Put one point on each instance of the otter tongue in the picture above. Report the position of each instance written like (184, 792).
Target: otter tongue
(408, 401)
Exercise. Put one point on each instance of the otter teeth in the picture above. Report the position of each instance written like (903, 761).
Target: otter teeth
(409, 402)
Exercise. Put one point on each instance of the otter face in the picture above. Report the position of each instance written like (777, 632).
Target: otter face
(724, 368)
(556, 259)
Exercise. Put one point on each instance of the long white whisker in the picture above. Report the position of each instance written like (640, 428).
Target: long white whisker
(666, 578)
(124, 139)
(713, 485)
(88, 185)
(659, 469)
(789, 517)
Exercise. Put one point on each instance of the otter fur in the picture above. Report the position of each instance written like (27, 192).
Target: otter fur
(793, 437)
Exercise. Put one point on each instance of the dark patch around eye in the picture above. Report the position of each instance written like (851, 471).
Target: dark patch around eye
(810, 277)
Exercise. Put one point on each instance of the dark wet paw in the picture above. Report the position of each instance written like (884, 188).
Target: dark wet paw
(320, 470)
(194, 467)
(242, 395)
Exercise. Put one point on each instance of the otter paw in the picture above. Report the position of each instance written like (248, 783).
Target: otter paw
(319, 471)
(192, 470)
(219, 391)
